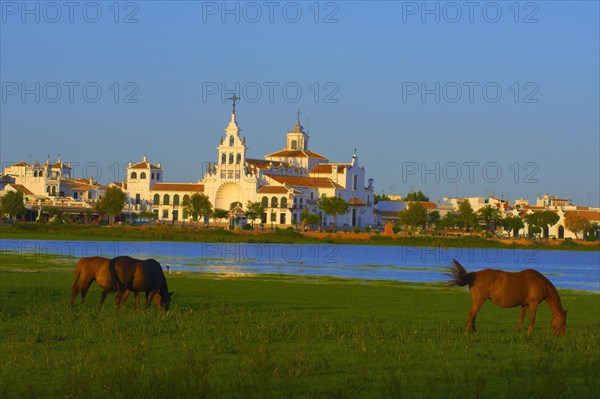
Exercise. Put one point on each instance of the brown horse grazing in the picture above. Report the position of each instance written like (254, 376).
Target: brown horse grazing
(140, 275)
(87, 271)
(527, 288)
(96, 268)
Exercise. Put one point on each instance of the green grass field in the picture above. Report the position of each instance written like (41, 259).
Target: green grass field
(281, 336)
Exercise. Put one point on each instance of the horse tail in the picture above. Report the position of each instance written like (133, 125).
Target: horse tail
(112, 270)
(458, 275)
(77, 274)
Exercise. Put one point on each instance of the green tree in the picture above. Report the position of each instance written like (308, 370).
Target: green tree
(449, 221)
(488, 214)
(415, 215)
(380, 197)
(12, 204)
(466, 218)
(307, 218)
(433, 218)
(111, 203)
(542, 219)
(198, 206)
(333, 206)
(513, 223)
(220, 214)
(147, 215)
(254, 210)
(576, 223)
(416, 196)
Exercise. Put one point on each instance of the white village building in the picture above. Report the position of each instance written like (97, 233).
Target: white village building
(286, 182)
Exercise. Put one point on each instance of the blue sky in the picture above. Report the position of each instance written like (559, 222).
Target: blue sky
(439, 97)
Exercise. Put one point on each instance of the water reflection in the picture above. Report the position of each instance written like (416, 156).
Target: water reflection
(566, 269)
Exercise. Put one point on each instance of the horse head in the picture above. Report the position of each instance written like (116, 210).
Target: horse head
(165, 299)
(559, 323)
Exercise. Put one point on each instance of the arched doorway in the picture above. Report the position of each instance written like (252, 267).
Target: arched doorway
(227, 194)
(561, 232)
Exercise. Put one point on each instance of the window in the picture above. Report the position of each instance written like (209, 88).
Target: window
(186, 200)
(165, 214)
(294, 145)
(282, 218)
(231, 159)
(231, 141)
(137, 199)
(166, 199)
(89, 195)
(354, 182)
(274, 203)
(223, 158)
(75, 195)
(312, 195)
(176, 199)
(156, 199)
(35, 173)
(265, 202)
(283, 202)
(238, 158)
(143, 175)
(133, 175)
(152, 176)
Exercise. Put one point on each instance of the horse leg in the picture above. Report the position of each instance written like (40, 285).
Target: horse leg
(478, 301)
(74, 293)
(124, 297)
(522, 317)
(84, 291)
(137, 300)
(149, 297)
(104, 294)
(532, 309)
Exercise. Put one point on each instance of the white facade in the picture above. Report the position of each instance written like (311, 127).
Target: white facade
(286, 182)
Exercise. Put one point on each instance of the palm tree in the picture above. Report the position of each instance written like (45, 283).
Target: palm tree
(488, 214)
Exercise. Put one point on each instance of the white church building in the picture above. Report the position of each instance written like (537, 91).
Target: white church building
(286, 182)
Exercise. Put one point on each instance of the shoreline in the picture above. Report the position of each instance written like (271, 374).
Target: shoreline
(166, 233)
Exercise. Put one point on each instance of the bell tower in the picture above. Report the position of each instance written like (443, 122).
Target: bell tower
(297, 138)
(232, 148)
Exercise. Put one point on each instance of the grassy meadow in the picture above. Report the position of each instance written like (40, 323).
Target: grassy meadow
(282, 337)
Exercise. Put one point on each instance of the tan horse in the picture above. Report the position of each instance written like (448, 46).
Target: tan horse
(527, 289)
(95, 268)
(141, 276)
(87, 271)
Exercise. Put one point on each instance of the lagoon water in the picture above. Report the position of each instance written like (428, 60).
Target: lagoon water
(566, 269)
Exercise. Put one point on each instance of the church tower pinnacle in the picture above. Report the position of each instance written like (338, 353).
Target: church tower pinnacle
(297, 138)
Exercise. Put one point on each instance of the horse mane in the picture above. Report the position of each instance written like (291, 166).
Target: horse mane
(552, 296)
(458, 275)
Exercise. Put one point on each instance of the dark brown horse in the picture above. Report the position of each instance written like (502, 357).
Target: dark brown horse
(527, 289)
(96, 268)
(140, 276)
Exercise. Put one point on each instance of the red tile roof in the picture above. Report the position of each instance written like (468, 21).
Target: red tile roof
(144, 165)
(272, 190)
(592, 216)
(427, 204)
(296, 154)
(21, 188)
(356, 201)
(302, 181)
(327, 168)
